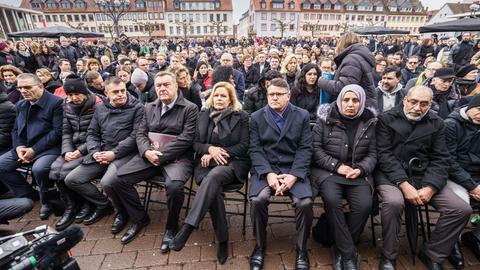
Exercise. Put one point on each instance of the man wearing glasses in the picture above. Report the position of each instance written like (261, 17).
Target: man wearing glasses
(407, 131)
(280, 150)
(445, 97)
(410, 70)
(36, 141)
(423, 77)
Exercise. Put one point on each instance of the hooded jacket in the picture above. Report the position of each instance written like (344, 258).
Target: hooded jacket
(355, 65)
(397, 93)
(463, 137)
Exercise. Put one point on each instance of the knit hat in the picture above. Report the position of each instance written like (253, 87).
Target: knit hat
(474, 102)
(358, 90)
(3, 45)
(444, 73)
(75, 85)
(463, 71)
(138, 77)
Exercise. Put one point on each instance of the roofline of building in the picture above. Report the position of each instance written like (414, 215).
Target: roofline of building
(20, 9)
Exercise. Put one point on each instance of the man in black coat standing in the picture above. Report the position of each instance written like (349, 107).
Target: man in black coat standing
(280, 151)
(170, 114)
(407, 131)
(7, 111)
(36, 138)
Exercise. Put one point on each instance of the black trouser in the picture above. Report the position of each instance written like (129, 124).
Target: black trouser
(348, 227)
(210, 197)
(125, 197)
(259, 215)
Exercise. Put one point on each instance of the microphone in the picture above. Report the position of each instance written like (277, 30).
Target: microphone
(57, 244)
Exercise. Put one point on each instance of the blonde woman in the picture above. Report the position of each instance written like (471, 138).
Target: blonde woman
(221, 144)
(355, 65)
(185, 85)
(290, 69)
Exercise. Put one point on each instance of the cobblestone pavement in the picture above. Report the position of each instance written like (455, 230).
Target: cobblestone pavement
(102, 250)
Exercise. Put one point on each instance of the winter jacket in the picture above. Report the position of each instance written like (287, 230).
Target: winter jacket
(69, 53)
(114, 129)
(12, 92)
(255, 97)
(75, 125)
(191, 94)
(330, 139)
(7, 111)
(398, 92)
(463, 137)
(399, 140)
(48, 61)
(355, 65)
(408, 74)
(27, 63)
(52, 85)
(307, 101)
(252, 75)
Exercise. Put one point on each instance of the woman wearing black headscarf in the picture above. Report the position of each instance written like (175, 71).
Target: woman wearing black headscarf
(344, 155)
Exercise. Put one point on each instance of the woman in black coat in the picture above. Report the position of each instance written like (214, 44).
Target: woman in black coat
(221, 144)
(77, 113)
(306, 93)
(47, 58)
(7, 111)
(251, 73)
(344, 155)
(355, 65)
(8, 82)
(185, 86)
(27, 60)
(49, 83)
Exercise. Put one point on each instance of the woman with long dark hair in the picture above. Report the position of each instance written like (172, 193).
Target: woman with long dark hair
(47, 58)
(27, 60)
(306, 93)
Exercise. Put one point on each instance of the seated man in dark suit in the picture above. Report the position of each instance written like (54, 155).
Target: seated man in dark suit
(280, 150)
(173, 115)
(36, 137)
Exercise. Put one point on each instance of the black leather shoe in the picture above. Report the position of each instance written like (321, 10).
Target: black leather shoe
(386, 264)
(67, 218)
(431, 265)
(119, 222)
(352, 263)
(337, 258)
(302, 262)
(470, 241)
(257, 258)
(456, 257)
(166, 241)
(222, 252)
(97, 215)
(45, 211)
(180, 239)
(134, 230)
(85, 211)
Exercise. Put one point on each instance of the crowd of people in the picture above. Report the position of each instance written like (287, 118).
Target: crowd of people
(339, 118)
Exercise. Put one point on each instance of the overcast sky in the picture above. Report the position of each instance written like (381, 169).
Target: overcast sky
(240, 6)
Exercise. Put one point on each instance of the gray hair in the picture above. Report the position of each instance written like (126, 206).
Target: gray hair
(167, 73)
(420, 88)
(229, 55)
(30, 76)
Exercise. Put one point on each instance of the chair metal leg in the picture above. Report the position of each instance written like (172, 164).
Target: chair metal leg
(149, 190)
(429, 233)
(422, 225)
(245, 201)
(372, 225)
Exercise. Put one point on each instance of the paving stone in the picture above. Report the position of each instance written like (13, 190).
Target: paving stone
(105, 246)
(200, 266)
(83, 248)
(200, 237)
(150, 258)
(119, 260)
(243, 249)
(99, 232)
(273, 262)
(209, 252)
(140, 243)
(167, 267)
(90, 262)
(235, 264)
(180, 257)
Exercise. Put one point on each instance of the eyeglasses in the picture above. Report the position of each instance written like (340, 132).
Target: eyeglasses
(277, 94)
(413, 63)
(422, 104)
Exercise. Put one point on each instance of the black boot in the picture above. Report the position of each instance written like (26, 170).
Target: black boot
(71, 207)
(180, 239)
(85, 211)
(456, 257)
(222, 252)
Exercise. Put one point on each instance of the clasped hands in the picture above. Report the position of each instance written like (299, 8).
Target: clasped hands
(416, 197)
(218, 154)
(281, 182)
(152, 156)
(69, 156)
(25, 154)
(349, 172)
(104, 157)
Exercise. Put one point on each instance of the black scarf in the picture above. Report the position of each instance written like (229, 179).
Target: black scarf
(466, 86)
(220, 128)
(87, 103)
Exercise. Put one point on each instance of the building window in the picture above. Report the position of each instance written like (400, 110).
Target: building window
(140, 4)
(62, 18)
(218, 17)
(205, 29)
(177, 17)
(319, 16)
(264, 16)
(170, 30)
(51, 4)
(90, 17)
(317, 6)
(306, 5)
(197, 17)
(199, 29)
(76, 18)
(292, 16)
(160, 15)
(306, 16)
(211, 17)
(93, 29)
(263, 27)
(84, 18)
(80, 4)
(283, 16)
(273, 27)
(274, 16)
(263, 5)
(278, 5)
(65, 4)
(204, 17)
(339, 17)
(292, 27)
(225, 17)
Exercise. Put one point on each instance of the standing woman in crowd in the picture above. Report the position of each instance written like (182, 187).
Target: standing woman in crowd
(344, 172)
(48, 81)
(202, 78)
(77, 113)
(27, 60)
(8, 82)
(380, 65)
(426, 49)
(290, 69)
(221, 144)
(355, 65)
(306, 93)
(251, 73)
(47, 58)
(185, 85)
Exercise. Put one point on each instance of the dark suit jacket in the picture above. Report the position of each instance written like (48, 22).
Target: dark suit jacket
(286, 151)
(177, 156)
(266, 67)
(234, 138)
(39, 125)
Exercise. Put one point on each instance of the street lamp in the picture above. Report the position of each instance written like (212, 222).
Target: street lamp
(115, 10)
(474, 8)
